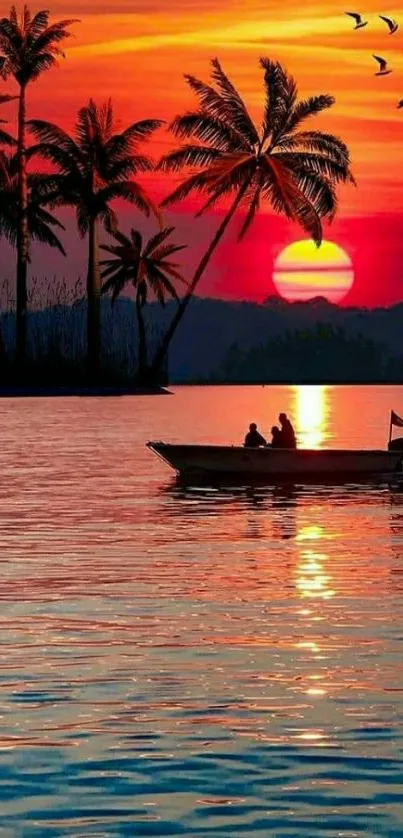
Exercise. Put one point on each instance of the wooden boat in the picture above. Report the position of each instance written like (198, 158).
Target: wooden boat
(273, 465)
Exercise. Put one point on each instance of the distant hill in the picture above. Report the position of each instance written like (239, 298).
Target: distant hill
(231, 341)
(213, 328)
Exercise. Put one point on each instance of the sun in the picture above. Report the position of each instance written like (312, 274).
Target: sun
(303, 271)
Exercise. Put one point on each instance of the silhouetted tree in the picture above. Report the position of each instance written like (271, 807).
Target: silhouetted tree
(295, 171)
(28, 47)
(95, 167)
(39, 220)
(145, 267)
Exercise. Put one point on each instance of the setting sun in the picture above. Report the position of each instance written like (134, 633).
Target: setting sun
(303, 271)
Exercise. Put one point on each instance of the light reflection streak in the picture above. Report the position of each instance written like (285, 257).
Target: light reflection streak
(315, 583)
(311, 409)
(312, 580)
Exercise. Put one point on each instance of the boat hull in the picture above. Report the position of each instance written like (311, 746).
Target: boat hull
(274, 464)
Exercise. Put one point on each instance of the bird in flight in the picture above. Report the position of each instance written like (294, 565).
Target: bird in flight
(383, 66)
(359, 22)
(392, 25)
(400, 104)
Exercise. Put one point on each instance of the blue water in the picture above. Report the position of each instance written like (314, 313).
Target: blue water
(196, 662)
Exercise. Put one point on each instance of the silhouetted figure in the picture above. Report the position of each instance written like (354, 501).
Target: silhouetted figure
(276, 441)
(254, 439)
(287, 432)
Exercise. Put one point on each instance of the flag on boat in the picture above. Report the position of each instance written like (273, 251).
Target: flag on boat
(396, 420)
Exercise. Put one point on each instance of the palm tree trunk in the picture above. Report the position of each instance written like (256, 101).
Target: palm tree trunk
(93, 305)
(163, 348)
(22, 240)
(142, 359)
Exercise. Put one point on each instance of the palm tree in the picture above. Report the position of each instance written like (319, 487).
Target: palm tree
(144, 267)
(295, 170)
(95, 167)
(40, 221)
(29, 46)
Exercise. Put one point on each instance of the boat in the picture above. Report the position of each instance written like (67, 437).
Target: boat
(275, 464)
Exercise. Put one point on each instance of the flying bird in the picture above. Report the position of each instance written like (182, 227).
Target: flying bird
(360, 23)
(392, 25)
(400, 104)
(383, 65)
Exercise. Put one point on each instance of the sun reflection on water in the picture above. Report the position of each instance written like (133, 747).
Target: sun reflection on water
(311, 409)
(312, 578)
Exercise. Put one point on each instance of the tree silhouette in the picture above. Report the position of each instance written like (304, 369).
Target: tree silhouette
(95, 167)
(295, 170)
(28, 47)
(146, 267)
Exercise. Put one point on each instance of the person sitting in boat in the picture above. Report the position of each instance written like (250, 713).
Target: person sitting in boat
(276, 441)
(254, 439)
(287, 433)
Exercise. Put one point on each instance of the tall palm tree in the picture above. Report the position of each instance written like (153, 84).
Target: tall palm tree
(295, 170)
(146, 268)
(28, 47)
(40, 221)
(95, 166)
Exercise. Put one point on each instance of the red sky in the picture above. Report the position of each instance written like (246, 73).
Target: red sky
(137, 53)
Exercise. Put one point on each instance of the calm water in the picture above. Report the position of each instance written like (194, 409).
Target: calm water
(194, 662)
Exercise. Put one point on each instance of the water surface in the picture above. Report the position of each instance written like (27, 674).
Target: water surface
(196, 662)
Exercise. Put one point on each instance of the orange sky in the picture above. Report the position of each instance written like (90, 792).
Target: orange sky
(138, 51)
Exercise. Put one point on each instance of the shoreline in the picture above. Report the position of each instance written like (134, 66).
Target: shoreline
(36, 391)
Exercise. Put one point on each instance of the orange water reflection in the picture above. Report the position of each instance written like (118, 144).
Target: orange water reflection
(311, 410)
(155, 623)
(312, 578)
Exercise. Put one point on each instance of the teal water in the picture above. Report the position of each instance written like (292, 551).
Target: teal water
(196, 662)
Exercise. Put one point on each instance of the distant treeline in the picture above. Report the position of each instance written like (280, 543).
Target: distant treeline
(234, 342)
(323, 353)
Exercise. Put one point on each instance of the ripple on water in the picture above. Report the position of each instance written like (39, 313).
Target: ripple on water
(194, 661)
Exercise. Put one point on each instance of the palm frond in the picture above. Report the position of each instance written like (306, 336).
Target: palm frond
(320, 192)
(315, 163)
(48, 40)
(36, 208)
(38, 24)
(283, 190)
(188, 155)
(121, 238)
(206, 128)
(40, 230)
(216, 194)
(108, 219)
(326, 144)
(7, 98)
(142, 130)
(160, 283)
(253, 198)
(162, 252)
(157, 240)
(194, 183)
(307, 108)
(115, 283)
(126, 167)
(51, 134)
(214, 105)
(281, 93)
(82, 216)
(7, 139)
(132, 192)
(239, 115)
(171, 269)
